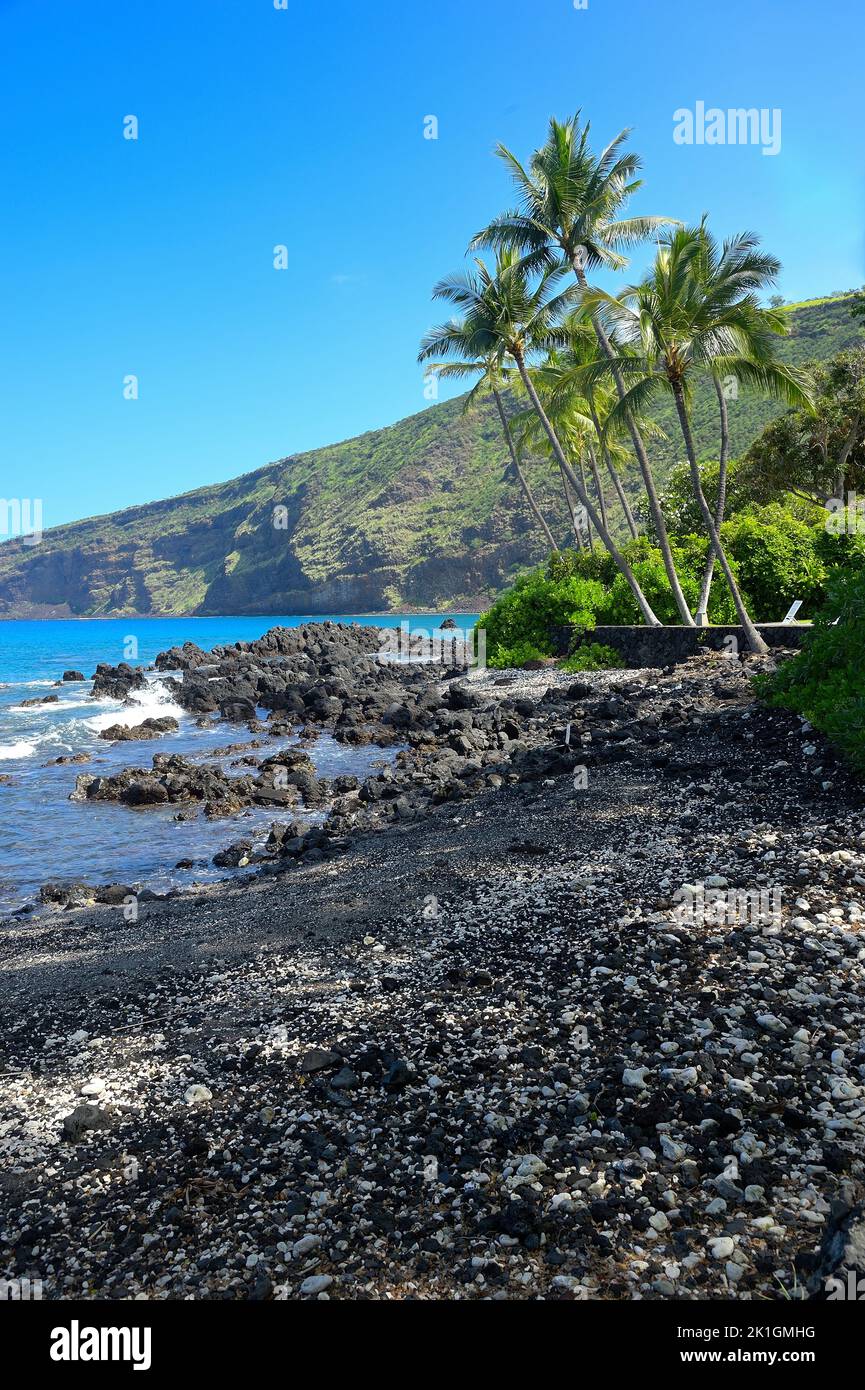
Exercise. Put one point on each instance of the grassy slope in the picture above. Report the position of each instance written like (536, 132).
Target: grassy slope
(422, 513)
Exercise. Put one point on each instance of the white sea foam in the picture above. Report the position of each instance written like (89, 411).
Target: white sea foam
(21, 749)
(10, 685)
(153, 703)
(83, 704)
(28, 711)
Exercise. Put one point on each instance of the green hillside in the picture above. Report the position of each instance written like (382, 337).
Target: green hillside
(421, 514)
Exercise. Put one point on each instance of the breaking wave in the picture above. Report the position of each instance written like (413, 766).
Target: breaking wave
(21, 749)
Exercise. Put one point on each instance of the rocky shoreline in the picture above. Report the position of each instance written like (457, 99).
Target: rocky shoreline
(453, 741)
(567, 1003)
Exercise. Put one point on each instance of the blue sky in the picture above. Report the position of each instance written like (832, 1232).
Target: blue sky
(304, 127)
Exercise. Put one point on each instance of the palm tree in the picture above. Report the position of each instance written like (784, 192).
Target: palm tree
(741, 270)
(570, 202)
(701, 617)
(455, 339)
(509, 313)
(599, 405)
(684, 319)
(573, 425)
(571, 374)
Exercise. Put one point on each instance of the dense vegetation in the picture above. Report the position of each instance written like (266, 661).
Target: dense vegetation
(825, 682)
(781, 551)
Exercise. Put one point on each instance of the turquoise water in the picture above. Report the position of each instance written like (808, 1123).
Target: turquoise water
(44, 835)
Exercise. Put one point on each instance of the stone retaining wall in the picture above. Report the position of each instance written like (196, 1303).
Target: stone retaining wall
(665, 646)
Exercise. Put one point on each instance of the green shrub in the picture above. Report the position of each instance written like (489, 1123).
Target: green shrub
(838, 551)
(529, 611)
(690, 552)
(825, 681)
(593, 656)
(596, 564)
(777, 559)
(505, 657)
(778, 552)
(619, 606)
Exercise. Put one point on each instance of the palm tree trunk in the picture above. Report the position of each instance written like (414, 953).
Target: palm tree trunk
(702, 614)
(613, 472)
(585, 489)
(578, 534)
(643, 461)
(524, 484)
(755, 641)
(596, 477)
(622, 496)
(618, 558)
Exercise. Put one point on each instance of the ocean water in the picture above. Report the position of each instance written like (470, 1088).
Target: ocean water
(44, 835)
